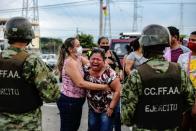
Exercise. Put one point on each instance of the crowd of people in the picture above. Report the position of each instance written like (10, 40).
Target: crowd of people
(158, 94)
(154, 90)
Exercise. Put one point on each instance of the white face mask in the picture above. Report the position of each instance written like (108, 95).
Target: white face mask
(79, 50)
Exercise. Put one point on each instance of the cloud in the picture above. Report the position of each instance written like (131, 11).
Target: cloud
(63, 21)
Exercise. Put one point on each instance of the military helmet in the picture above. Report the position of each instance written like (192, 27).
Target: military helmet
(19, 28)
(155, 35)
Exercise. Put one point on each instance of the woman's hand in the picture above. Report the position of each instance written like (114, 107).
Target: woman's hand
(108, 87)
(108, 61)
(109, 111)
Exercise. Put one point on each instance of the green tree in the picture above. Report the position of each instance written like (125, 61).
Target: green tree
(50, 45)
(86, 40)
(182, 36)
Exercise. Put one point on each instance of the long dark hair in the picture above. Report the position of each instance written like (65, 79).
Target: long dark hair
(135, 44)
(63, 52)
(101, 38)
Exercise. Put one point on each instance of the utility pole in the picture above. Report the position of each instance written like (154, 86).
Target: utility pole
(107, 20)
(101, 19)
(30, 11)
(135, 16)
(25, 8)
(181, 17)
(77, 31)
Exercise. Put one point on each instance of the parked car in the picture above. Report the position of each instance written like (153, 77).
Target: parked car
(119, 45)
(50, 59)
(44, 57)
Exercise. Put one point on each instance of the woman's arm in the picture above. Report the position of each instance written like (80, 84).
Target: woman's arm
(72, 70)
(116, 86)
(84, 60)
(128, 66)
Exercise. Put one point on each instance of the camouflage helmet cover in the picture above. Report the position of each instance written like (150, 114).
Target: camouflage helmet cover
(155, 35)
(19, 28)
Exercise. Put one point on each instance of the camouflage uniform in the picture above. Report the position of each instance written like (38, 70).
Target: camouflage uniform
(34, 71)
(133, 88)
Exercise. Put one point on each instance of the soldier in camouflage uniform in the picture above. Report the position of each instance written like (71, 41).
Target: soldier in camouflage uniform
(25, 80)
(157, 93)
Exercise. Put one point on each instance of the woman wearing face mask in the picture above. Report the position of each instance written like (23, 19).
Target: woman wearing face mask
(113, 61)
(111, 57)
(70, 63)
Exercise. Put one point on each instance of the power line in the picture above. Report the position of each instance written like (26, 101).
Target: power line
(91, 2)
(78, 3)
(68, 4)
(153, 2)
(172, 3)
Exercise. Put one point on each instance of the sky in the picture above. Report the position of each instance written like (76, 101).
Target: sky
(66, 18)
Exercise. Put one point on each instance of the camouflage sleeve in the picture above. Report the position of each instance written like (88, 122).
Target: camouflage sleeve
(36, 72)
(188, 89)
(129, 98)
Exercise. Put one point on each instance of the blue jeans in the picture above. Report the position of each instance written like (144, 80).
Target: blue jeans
(70, 112)
(117, 122)
(99, 122)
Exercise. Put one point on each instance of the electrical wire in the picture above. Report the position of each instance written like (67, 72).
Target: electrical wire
(154, 2)
(59, 5)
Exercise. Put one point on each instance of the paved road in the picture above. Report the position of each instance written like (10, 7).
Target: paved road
(51, 120)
